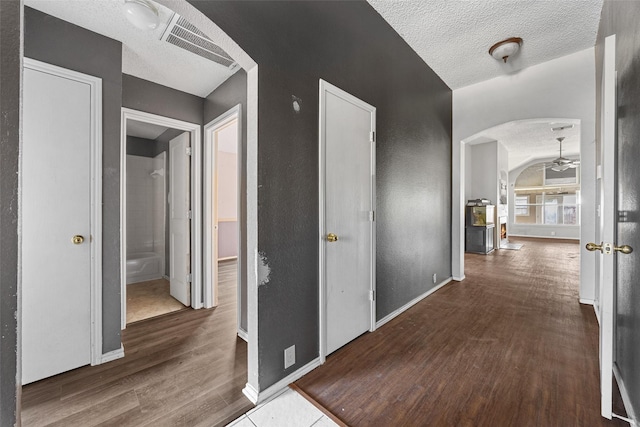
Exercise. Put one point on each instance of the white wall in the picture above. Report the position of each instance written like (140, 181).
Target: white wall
(483, 163)
(561, 88)
(145, 205)
(227, 180)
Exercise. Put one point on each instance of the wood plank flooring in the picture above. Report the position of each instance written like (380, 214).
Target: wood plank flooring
(183, 369)
(508, 346)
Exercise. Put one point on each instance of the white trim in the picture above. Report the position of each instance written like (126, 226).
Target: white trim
(95, 88)
(259, 397)
(196, 202)
(251, 393)
(325, 87)
(113, 355)
(458, 279)
(596, 309)
(243, 334)
(586, 301)
(577, 240)
(625, 397)
(411, 303)
(210, 268)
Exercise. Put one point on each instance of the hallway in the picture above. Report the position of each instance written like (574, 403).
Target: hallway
(508, 346)
(183, 368)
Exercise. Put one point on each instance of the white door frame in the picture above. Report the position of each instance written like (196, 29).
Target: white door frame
(196, 202)
(606, 299)
(325, 88)
(95, 88)
(210, 293)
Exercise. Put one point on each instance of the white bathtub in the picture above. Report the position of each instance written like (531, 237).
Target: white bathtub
(143, 266)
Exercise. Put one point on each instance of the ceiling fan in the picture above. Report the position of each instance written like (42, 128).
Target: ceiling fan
(562, 163)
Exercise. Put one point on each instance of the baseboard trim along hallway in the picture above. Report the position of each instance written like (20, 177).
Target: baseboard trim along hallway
(410, 304)
(257, 397)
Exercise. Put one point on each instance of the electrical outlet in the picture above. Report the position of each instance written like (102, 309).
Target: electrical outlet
(434, 277)
(289, 356)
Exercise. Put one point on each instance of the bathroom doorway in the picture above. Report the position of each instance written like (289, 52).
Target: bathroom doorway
(158, 176)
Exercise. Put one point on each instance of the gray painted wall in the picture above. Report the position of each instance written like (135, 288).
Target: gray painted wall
(10, 82)
(226, 96)
(140, 146)
(621, 18)
(348, 44)
(60, 43)
(143, 95)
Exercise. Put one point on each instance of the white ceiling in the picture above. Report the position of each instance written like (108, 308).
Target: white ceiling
(454, 36)
(528, 140)
(144, 55)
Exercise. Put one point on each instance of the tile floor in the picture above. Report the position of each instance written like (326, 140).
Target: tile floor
(150, 299)
(288, 409)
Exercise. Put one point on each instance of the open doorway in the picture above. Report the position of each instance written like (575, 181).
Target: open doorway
(159, 215)
(158, 235)
(222, 178)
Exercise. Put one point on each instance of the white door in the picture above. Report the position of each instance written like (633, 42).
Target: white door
(346, 130)
(56, 206)
(179, 221)
(607, 212)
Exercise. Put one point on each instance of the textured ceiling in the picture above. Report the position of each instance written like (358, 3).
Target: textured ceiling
(529, 140)
(144, 55)
(454, 36)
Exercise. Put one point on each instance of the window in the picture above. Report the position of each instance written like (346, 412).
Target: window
(550, 208)
(522, 206)
(547, 197)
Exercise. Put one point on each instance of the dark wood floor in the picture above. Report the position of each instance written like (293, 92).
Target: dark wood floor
(508, 346)
(182, 369)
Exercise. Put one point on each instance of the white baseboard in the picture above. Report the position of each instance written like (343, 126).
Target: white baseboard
(112, 355)
(243, 334)
(410, 304)
(596, 309)
(251, 393)
(625, 396)
(458, 279)
(587, 301)
(577, 239)
(257, 397)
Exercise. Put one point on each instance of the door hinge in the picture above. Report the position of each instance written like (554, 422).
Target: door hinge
(372, 216)
(372, 295)
(189, 215)
(189, 278)
(188, 151)
(372, 136)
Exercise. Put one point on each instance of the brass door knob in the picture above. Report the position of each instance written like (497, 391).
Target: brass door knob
(625, 249)
(332, 237)
(593, 247)
(77, 239)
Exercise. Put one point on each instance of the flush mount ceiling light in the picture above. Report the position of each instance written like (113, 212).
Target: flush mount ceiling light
(142, 14)
(505, 48)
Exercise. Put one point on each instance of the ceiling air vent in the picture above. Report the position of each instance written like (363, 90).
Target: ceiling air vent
(185, 35)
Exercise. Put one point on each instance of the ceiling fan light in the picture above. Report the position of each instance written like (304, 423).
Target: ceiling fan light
(142, 14)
